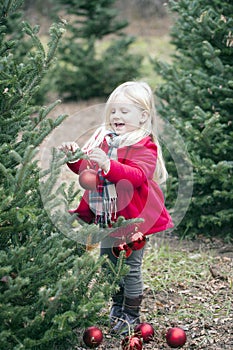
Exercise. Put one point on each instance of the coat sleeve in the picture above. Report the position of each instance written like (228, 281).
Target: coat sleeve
(79, 166)
(137, 165)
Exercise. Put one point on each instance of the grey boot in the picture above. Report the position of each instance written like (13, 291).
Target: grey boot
(116, 309)
(130, 316)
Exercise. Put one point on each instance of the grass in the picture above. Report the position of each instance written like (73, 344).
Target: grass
(183, 285)
(174, 267)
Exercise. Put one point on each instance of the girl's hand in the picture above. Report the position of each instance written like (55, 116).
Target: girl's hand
(69, 147)
(99, 156)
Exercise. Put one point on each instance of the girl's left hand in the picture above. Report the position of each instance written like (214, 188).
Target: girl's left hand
(99, 156)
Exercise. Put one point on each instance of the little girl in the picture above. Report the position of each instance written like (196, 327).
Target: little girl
(130, 168)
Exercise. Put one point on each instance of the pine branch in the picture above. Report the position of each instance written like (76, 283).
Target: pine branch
(10, 6)
(32, 32)
(56, 32)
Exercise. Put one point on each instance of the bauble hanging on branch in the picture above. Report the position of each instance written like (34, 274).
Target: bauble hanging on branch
(92, 337)
(89, 179)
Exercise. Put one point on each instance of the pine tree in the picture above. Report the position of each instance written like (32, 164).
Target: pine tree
(82, 71)
(47, 288)
(196, 98)
(14, 20)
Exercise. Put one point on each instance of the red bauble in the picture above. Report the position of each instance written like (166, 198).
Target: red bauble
(176, 337)
(88, 179)
(92, 337)
(145, 331)
(118, 248)
(131, 343)
(137, 241)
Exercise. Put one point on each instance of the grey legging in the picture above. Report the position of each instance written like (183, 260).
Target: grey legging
(132, 282)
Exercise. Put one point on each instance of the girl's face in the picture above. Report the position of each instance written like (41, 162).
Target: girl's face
(125, 116)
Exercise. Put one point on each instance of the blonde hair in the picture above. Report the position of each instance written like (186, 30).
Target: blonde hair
(142, 97)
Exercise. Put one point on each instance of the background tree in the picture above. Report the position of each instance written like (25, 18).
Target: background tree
(151, 8)
(46, 278)
(84, 70)
(196, 97)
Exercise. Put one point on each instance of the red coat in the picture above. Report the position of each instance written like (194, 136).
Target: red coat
(138, 195)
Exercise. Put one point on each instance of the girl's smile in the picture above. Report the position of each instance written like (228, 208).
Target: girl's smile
(119, 126)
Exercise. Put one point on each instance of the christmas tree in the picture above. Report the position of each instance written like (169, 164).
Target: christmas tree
(84, 70)
(196, 99)
(49, 284)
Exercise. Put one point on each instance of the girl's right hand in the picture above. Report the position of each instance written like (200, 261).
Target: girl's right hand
(69, 147)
